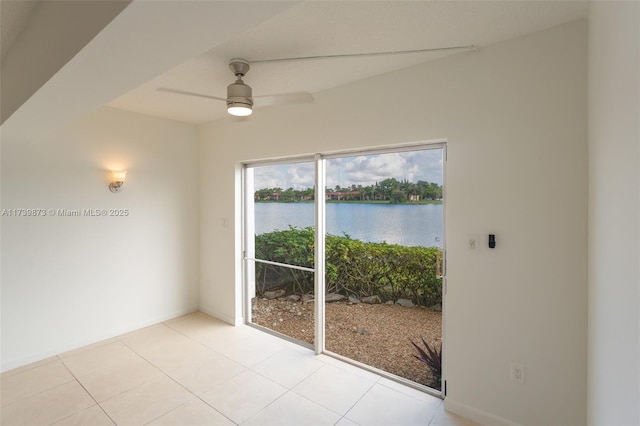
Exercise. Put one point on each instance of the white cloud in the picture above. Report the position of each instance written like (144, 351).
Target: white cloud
(301, 176)
(363, 170)
(269, 177)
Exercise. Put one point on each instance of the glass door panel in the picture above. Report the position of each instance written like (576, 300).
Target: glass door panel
(384, 221)
(279, 224)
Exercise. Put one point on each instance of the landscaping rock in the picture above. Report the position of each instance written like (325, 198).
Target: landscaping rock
(437, 307)
(307, 298)
(354, 300)
(333, 297)
(293, 297)
(372, 334)
(273, 294)
(405, 302)
(372, 300)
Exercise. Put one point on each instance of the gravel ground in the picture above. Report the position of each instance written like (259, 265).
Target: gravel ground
(377, 335)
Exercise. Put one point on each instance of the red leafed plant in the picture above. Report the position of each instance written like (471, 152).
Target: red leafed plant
(432, 357)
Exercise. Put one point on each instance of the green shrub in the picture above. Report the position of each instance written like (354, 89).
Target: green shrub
(294, 247)
(353, 267)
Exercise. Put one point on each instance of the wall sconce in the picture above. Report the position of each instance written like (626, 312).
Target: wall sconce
(118, 181)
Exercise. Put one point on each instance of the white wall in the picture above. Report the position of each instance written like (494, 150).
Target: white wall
(69, 281)
(614, 213)
(514, 115)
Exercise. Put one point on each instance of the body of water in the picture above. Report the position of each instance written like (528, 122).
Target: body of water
(405, 224)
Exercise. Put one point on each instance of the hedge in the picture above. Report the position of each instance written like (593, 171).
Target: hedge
(353, 267)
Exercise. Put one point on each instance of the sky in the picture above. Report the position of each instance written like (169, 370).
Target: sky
(362, 170)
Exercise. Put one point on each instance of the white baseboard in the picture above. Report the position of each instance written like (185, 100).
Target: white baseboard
(222, 317)
(56, 350)
(476, 415)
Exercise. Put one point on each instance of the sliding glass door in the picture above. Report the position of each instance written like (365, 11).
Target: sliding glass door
(352, 269)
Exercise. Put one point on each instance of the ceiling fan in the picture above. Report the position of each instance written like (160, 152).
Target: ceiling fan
(240, 99)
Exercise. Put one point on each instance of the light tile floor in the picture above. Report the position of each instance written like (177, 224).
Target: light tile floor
(196, 370)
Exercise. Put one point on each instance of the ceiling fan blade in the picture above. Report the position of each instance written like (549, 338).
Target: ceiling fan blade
(364, 54)
(237, 119)
(283, 99)
(184, 92)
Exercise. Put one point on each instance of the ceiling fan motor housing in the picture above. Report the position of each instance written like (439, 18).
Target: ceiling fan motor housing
(239, 93)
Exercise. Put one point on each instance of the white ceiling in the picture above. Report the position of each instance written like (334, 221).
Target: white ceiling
(320, 28)
(307, 28)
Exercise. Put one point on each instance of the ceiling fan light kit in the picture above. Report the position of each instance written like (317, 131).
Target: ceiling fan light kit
(239, 100)
(238, 110)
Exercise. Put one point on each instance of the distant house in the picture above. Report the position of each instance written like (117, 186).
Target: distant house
(346, 195)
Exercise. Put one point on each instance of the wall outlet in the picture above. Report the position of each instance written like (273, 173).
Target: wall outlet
(517, 372)
(473, 242)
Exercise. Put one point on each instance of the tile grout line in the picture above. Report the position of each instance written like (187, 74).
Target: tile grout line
(268, 405)
(438, 408)
(42, 391)
(185, 403)
(327, 408)
(287, 348)
(195, 395)
(409, 387)
(205, 346)
(251, 368)
(126, 390)
(212, 351)
(176, 382)
(86, 390)
(37, 393)
(268, 378)
(27, 367)
(360, 399)
(290, 389)
(247, 368)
